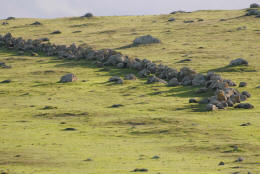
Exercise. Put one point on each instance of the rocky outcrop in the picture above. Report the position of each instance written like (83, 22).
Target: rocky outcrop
(224, 95)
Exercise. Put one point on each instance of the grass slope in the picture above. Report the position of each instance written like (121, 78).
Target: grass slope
(118, 140)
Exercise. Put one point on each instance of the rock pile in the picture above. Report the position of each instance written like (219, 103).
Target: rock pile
(225, 95)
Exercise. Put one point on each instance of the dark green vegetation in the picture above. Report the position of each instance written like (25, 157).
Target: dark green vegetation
(49, 127)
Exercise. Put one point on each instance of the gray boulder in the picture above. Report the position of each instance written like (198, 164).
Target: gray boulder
(148, 39)
(252, 12)
(246, 94)
(242, 84)
(244, 106)
(239, 61)
(68, 78)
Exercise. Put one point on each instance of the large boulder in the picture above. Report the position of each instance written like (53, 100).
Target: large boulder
(115, 59)
(68, 78)
(148, 39)
(211, 107)
(252, 12)
(239, 61)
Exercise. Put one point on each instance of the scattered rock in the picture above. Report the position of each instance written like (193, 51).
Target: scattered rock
(192, 100)
(155, 157)
(5, 23)
(221, 163)
(88, 15)
(173, 82)
(88, 159)
(36, 23)
(56, 32)
(184, 60)
(188, 21)
(68, 78)
(153, 79)
(246, 94)
(140, 170)
(171, 19)
(211, 107)
(148, 39)
(48, 107)
(70, 129)
(240, 159)
(254, 5)
(246, 124)
(76, 31)
(200, 20)
(245, 106)
(239, 61)
(242, 84)
(116, 106)
(6, 81)
(116, 80)
(130, 77)
(3, 65)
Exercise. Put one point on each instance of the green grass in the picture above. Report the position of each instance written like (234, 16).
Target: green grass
(118, 140)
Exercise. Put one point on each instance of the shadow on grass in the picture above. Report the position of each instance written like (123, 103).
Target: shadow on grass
(241, 68)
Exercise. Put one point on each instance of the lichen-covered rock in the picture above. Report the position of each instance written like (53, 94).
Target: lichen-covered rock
(148, 39)
(68, 78)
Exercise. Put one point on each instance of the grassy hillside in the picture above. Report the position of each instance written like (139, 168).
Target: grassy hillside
(154, 119)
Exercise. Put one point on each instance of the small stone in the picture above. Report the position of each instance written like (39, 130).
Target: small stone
(239, 61)
(116, 106)
(155, 157)
(69, 129)
(116, 80)
(171, 19)
(221, 163)
(56, 32)
(193, 100)
(246, 94)
(242, 84)
(246, 124)
(88, 159)
(240, 159)
(6, 81)
(140, 170)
